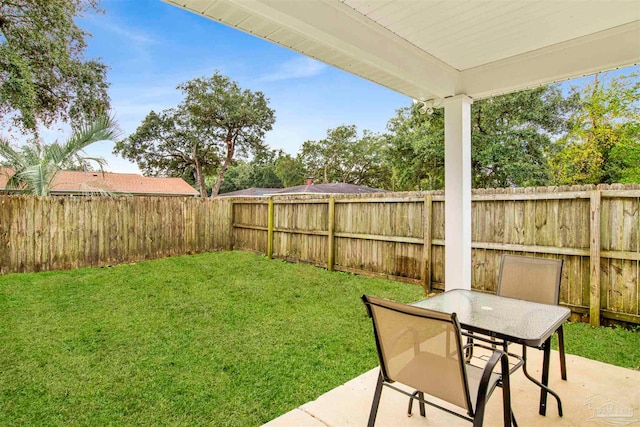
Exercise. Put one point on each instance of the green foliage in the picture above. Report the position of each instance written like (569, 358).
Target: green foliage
(43, 74)
(509, 137)
(624, 160)
(201, 135)
(511, 134)
(343, 157)
(603, 142)
(36, 164)
(259, 172)
(236, 118)
(172, 143)
(218, 339)
(290, 170)
(415, 150)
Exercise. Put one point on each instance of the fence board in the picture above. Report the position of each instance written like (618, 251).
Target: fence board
(382, 235)
(40, 233)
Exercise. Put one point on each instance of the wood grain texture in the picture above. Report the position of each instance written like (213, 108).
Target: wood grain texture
(397, 235)
(60, 233)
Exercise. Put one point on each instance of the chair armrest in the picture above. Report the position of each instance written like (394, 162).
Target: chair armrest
(481, 398)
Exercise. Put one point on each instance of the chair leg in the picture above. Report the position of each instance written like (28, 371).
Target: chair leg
(506, 393)
(563, 363)
(376, 401)
(417, 395)
(423, 412)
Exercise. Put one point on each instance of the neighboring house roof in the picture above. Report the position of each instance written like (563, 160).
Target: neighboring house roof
(251, 192)
(78, 182)
(339, 188)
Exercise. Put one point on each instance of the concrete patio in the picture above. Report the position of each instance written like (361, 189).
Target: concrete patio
(595, 394)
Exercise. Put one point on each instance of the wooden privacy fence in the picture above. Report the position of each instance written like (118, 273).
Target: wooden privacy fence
(401, 236)
(398, 236)
(57, 233)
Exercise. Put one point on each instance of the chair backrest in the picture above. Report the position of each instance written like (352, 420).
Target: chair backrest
(531, 279)
(420, 348)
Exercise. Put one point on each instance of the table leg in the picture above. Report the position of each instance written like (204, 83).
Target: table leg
(545, 376)
(544, 389)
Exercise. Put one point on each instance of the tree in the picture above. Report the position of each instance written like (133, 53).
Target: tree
(237, 118)
(290, 170)
(36, 164)
(43, 74)
(343, 157)
(415, 150)
(259, 172)
(603, 142)
(512, 135)
(510, 138)
(172, 143)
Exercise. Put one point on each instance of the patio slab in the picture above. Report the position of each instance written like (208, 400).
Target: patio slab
(594, 394)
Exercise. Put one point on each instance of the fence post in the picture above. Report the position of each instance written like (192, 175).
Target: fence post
(594, 267)
(231, 223)
(331, 216)
(426, 252)
(270, 230)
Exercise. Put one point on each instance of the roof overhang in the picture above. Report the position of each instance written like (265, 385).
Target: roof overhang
(432, 49)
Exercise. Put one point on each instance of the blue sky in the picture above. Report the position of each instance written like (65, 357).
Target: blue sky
(151, 47)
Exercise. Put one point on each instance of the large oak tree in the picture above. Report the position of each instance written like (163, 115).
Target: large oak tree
(202, 135)
(237, 118)
(44, 76)
(171, 143)
(511, 136)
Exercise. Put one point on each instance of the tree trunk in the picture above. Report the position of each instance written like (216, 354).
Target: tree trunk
(225, 166)
(200, 179)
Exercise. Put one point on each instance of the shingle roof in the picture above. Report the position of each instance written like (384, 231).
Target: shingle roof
(72, 182)
(339, 188)
(251, 192)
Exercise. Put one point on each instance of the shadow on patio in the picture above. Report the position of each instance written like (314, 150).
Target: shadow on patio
(595, 394)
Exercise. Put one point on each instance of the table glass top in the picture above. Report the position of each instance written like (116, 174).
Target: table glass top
(515, 320)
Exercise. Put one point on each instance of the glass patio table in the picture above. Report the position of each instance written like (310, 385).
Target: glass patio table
(509, 321)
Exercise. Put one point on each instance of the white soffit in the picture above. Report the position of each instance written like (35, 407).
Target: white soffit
(439, 48)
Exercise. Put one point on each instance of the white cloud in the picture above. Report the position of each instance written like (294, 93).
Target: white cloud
(137, 37)
(297, 68)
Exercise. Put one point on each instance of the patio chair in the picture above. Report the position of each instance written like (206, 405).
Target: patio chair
(536, 280)
(422, 349)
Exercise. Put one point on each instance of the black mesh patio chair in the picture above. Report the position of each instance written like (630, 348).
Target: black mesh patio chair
(422, 349)
(536, 280)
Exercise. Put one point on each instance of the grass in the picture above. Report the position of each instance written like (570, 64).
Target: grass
(616, 346)
(226, 338)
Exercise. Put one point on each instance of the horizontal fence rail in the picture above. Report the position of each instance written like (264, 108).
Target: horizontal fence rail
(58, 233)
(400, 236)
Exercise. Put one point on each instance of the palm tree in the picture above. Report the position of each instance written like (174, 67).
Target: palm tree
(36, 165)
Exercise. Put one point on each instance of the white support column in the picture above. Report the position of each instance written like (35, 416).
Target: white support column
(457, 190)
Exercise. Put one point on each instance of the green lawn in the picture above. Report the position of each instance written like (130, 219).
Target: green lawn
(616, 346)
(227, 338)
